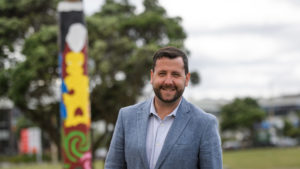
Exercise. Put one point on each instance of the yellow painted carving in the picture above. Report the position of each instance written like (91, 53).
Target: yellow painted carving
(78, 86)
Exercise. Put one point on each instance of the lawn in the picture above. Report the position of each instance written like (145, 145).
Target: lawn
(97, 165)
(268, 158)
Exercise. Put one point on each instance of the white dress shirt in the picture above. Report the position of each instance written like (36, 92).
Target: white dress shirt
(157, 132)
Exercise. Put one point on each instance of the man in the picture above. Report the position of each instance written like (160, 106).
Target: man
(165, 132)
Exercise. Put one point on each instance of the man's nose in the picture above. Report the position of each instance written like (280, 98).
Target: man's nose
(169, 79)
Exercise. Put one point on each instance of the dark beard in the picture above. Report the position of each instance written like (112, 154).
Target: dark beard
(177, 95)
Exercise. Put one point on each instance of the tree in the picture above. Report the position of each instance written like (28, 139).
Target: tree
(28, 80)
(290, 130)
(241, 114)
(121, 43)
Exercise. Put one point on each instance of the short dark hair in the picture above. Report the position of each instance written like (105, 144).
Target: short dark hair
(172, 53)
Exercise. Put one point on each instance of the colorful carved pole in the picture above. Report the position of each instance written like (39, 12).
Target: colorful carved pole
(75, 104)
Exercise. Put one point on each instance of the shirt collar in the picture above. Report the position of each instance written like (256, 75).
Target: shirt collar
(153, 111)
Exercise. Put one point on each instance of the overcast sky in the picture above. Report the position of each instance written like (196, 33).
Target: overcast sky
(239, 47)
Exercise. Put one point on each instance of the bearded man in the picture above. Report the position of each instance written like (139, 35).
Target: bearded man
(166, 131)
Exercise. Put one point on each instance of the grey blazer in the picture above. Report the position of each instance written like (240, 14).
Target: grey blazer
(193, 141)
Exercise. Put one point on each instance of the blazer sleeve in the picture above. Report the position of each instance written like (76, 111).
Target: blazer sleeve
(210, 156)
(115, 158)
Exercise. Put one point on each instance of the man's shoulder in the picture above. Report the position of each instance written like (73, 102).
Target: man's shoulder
(136, 107)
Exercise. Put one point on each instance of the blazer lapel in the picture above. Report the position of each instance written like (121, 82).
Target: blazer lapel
(142, 124)
(181, 120)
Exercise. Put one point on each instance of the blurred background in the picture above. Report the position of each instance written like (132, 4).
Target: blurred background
(244, 57)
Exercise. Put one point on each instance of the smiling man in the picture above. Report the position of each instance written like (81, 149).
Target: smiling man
(166, 132)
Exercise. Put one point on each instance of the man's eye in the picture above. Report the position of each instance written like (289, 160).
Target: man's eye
(161, 74)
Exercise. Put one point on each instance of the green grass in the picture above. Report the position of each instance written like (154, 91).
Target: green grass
(268, 158)
(97, 165)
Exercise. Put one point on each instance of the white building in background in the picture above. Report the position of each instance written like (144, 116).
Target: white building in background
(282, 108)
(278, 109)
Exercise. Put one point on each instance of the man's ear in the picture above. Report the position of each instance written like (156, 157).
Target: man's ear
(187, 79)
(151, 76)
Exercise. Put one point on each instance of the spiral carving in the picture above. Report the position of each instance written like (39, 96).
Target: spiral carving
(76, 144)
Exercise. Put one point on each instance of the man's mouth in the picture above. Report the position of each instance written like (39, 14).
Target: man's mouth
(169, 88)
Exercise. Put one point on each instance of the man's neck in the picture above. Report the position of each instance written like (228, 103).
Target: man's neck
(164, 109)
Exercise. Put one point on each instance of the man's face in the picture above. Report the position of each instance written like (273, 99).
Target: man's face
(168, 79)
